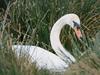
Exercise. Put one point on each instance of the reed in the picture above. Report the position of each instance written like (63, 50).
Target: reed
(30, 22)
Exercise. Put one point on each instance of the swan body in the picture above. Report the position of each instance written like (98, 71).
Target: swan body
(43, 58)
(47, 60)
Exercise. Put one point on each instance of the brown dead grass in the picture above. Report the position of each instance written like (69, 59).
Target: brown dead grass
(86, 66)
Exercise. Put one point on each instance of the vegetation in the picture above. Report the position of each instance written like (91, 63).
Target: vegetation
(30, 22)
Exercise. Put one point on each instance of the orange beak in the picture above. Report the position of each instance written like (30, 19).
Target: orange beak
(78, 33)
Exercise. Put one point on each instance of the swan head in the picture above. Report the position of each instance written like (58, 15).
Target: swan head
(74, 22)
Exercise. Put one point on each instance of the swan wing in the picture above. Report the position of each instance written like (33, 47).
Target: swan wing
(43, 58)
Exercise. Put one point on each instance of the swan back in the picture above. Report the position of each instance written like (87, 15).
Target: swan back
(43, 58)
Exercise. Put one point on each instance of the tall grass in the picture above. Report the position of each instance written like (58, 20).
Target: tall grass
(30, 22)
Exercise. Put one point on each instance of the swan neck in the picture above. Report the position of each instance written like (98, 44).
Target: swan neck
(55, 40)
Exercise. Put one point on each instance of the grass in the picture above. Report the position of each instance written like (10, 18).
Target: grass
(30, 22)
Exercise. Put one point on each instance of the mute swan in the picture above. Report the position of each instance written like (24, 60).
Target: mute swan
(47, 60)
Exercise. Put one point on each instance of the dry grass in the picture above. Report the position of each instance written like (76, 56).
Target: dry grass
(30, 22)
(89, 65)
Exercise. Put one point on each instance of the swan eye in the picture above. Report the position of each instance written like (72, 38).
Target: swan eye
(76, 25)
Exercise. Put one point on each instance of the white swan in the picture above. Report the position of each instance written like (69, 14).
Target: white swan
(47, 60)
